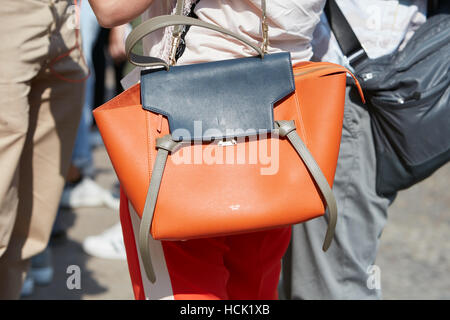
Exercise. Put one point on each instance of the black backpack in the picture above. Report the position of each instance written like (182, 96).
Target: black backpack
(408, 94)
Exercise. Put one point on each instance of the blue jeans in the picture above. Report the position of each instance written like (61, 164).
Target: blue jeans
(82, 153)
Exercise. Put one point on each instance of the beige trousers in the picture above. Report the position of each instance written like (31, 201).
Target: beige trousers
(39, 115)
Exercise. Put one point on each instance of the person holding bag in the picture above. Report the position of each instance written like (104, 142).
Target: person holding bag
(222, 256)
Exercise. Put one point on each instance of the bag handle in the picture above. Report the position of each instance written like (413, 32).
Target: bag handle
(166, 145)
(178, 20)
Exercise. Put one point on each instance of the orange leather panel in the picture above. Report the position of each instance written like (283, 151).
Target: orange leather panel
(221, 199)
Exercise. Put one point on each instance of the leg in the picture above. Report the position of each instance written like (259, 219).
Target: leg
(192, 269)
(21, 53)
(14, 122)
(254, 263)
(53, 110)
(341, 272)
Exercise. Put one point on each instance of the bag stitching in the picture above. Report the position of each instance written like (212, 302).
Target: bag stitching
(300, 117)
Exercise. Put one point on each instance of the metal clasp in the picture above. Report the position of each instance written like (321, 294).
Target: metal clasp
(265, 34)
(173, 51)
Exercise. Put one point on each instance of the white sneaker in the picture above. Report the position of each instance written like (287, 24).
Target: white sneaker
(107, 245)
(88, 193)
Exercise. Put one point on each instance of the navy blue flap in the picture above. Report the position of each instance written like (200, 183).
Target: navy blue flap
(219, 99)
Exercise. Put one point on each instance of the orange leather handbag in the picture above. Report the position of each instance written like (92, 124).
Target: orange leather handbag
(185, 184)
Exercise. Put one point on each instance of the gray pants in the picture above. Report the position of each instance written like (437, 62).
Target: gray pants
(343, 271)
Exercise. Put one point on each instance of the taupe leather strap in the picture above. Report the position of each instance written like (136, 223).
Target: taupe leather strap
(287, 128)
(179, 20)
(170, 20)
(166, 145)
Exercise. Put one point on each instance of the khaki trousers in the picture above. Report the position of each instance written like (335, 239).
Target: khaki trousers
(39, 115)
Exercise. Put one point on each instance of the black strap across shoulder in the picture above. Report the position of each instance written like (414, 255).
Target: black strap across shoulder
(409, 99)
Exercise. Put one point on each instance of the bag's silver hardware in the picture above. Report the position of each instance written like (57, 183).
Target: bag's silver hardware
(355, 55)
(173, 51)
(265, 33)
(264, 28)
(367, 76)
(230, 142)
(176, 34)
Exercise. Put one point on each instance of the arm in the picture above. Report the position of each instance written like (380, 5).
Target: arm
(111, 13)
(116, 46)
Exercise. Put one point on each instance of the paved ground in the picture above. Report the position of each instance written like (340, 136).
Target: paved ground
(414, 257)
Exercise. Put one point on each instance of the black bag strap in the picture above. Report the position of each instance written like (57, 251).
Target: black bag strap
(346, 38)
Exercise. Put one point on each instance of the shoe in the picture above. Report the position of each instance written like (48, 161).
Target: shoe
(107, 245)
(87, 193)
(42, 268)
(28, 286)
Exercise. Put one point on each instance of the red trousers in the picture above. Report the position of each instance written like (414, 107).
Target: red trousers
(234, 267)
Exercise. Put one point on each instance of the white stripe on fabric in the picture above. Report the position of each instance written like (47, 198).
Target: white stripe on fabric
(162, 288)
